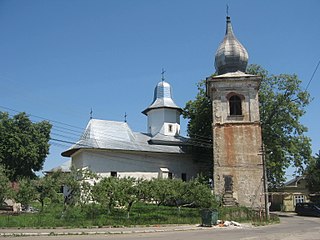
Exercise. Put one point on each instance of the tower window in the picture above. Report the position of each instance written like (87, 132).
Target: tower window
(170, 128)
(235, 105)
(184, 177)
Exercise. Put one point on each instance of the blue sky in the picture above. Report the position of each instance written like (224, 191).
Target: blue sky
(60, 58)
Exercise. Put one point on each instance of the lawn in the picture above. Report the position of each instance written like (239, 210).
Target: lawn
(93, 215)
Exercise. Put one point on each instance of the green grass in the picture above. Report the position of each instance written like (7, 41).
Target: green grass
(243, 214)
(93, 215)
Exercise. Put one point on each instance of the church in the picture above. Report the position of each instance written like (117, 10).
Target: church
(111, 148)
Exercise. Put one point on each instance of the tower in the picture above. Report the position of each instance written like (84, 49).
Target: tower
(163, 114)
(238, 170)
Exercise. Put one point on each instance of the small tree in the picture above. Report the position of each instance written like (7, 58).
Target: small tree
(47, 187)
(105, 192)
(128, 193)
(5, 189)
(200, 195)
(161, 190)
(178, 192)
(144, 190)
(78, 183)
(26, 192)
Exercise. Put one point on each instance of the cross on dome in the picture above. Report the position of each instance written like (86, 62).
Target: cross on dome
(231, 56)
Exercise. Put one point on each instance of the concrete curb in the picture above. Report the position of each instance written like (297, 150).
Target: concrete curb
(63, 232)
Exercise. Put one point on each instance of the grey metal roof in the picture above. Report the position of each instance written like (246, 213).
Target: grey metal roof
(236, 74)
(112, 135)
(294, 181)
(160, 138)
(231, 56)
(162, 98)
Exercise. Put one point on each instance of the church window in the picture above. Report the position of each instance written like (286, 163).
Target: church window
(235, 105)
(170, 128)
(114, 174)
(184, 177)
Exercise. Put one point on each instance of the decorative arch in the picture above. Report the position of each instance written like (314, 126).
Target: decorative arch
(235, 104)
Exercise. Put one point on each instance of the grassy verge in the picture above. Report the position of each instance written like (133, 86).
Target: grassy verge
(94, 215)
(243, 214)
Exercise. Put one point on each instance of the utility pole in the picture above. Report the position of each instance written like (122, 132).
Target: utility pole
(265, 182)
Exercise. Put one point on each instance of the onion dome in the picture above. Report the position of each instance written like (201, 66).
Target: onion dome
(231, 56)
(162, 98)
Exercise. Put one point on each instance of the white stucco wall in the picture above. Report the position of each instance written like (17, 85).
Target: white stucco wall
(160, 119)
(135, 164)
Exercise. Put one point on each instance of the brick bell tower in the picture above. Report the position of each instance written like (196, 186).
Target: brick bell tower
(238, 169)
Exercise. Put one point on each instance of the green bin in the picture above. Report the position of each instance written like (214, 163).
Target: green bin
(209, 217)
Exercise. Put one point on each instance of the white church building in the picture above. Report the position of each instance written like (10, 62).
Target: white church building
(111, 148)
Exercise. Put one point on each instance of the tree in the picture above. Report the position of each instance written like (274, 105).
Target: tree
(26, 192)
(78, 184)
(178, 193)
(47, 187)
(199, 112)
(106, 192)
(23, 145)
(5, 189)
(199, 194)
(128, 193)
(161, 191)
(282, 104)
(313, 174)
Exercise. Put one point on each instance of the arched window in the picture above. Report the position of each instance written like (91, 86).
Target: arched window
(235, 105)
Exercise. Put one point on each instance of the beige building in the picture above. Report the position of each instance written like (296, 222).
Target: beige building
(293, 192)
(238, 169)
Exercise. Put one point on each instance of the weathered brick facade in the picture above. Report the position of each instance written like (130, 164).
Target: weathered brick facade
(238, 169)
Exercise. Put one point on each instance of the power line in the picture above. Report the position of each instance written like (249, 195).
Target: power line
(314, 72)
(99, 136)
(47, 119)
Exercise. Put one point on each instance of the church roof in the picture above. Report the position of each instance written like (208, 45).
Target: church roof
(112, 135)
(231, 56)
(162, 98)
(236, 74)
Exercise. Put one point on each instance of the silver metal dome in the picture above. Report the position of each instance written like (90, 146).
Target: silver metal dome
(231, 56)
(162, 98)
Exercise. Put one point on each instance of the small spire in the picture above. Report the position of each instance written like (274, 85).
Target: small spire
(229, 30)
(91, 113)
(227, 10)
(125, 117)
(162, 75)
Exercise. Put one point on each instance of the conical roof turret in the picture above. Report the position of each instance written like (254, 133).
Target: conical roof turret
(162, 98)
(231, 56)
